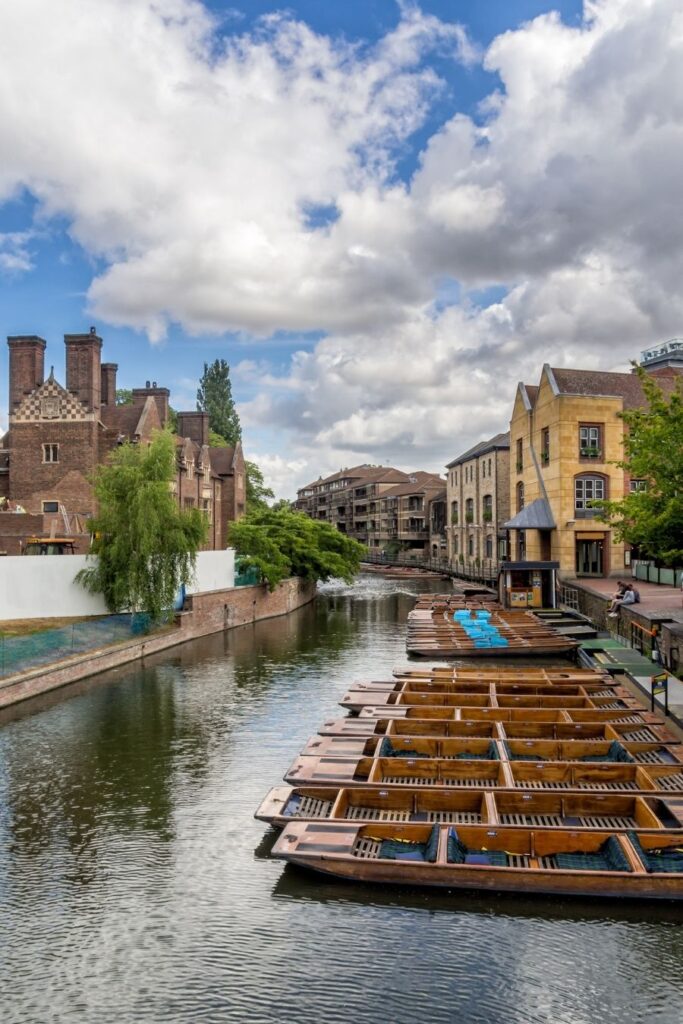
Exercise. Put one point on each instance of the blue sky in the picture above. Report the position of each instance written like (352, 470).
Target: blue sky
(323, 198)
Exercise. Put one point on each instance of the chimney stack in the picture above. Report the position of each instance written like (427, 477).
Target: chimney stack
(108, 388)
(194, 425)
(83, 369)
(26, 367)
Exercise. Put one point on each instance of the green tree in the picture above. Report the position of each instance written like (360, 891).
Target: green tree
(146, 546)
(214, 396)
(124, 396)
(652, 518)
(281, 543)
(257, 492)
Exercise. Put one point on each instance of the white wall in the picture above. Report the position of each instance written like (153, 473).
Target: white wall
(42, 586)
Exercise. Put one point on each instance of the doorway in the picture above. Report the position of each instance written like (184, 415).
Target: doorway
(590, 558)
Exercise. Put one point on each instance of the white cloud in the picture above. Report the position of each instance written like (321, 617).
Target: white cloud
(194, 164)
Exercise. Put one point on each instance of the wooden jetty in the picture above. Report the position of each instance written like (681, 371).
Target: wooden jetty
(637, 864)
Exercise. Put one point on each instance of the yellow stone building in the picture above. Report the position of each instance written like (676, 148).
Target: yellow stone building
(565, 436)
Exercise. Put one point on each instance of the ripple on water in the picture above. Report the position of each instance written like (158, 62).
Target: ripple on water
(136, 885)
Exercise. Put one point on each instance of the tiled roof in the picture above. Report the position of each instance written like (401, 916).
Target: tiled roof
(596, 382)
(365, 473)
(428, 482)
(222, 460)
(123, 418)
(498, 441)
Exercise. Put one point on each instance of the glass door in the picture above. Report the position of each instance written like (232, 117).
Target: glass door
(590, 557)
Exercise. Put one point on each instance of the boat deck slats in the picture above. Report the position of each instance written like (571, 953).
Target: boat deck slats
(545, 784)
(312, 808)
(376, 814)
(613, 821)
(671, 782)
(639, 736)
(366, 849)
(455, 817)
(652, 757)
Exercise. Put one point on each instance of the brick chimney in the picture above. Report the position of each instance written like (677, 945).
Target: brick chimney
(83, 369)
(108, 387)
(26, 367)
(194, 425)
(160, 395)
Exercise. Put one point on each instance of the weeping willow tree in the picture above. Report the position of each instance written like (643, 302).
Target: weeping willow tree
(146, 546)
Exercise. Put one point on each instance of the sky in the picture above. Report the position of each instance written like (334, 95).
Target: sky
(382, 214)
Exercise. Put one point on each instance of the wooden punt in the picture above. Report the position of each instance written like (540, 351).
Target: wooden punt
(638, 864)
(354, 700)
(393, 744)
(640, 732)
(484, 774)
(434, 704)
(538, 810)
(498, 714)
(500, 673)
(434, 634)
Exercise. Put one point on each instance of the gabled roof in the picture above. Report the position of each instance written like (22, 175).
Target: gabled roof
(222, 460)
(497, 442)
(50, 401)
(597, 383)
(537, 515)
(364, 473)
(422, 483)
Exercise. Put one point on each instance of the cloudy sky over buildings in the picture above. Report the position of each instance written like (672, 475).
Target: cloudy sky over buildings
(383, 214)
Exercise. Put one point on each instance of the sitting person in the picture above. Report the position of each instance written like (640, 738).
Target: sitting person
(627, 596)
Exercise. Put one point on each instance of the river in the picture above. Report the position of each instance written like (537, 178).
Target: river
(136, 886)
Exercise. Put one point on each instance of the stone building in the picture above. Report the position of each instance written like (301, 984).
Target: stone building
(566, 435)
(477, 496)
(58, 435)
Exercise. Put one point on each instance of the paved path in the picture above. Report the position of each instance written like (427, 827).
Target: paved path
(654, 597)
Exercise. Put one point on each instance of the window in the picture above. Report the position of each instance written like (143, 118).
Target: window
(637, 485)
(487, 508)
(590, 441)
(489, 467)
(188, 503)
(454, 513)
(489, 546)
(50, 453)
(455, 545)
(469, 510)
(50, 506)
(520, 459)
(470, 545)
(586, 490)
(190, 469)
(483, 468)
(545, 446)
(520, 496)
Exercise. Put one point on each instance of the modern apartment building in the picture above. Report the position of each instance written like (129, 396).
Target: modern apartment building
(477, 497)
(385, 508)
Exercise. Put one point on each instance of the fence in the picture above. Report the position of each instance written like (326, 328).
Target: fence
(484, 572)
(649, 573)
(20, 653)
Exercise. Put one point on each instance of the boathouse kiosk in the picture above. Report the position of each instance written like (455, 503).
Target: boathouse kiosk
(528, 584)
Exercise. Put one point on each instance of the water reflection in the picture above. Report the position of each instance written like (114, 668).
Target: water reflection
(137, 886)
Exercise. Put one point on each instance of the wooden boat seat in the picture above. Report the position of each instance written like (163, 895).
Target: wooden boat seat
(663, 857)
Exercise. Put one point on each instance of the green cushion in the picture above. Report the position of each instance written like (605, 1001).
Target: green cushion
(456, 850)
(432, 846)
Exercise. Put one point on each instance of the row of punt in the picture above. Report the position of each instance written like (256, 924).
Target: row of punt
(433, 633)
(536, 780)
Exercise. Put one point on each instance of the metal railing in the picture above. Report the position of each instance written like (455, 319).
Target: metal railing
(485, 571)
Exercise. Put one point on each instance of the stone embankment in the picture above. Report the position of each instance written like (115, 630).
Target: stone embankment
(210, 612)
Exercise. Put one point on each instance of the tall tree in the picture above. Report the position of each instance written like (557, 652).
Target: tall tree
(652, 517)
(257, 492)
(146, 546)
(214, 396)
(280, 543)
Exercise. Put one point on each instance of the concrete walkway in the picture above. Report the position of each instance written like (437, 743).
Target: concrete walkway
(655, 598)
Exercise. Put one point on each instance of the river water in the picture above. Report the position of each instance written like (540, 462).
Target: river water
(136, 886)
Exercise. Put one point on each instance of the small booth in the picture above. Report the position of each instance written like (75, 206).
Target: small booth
(528, 584)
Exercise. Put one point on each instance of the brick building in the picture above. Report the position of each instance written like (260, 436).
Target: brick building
(58, 435)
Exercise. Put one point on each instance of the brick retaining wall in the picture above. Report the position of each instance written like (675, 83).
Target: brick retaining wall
(206, 613)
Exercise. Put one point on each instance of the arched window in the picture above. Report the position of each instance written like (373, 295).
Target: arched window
(487, 508)
(454, 513)
(489, 545)
(588, 487)
(520, 496)
(469, 510)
